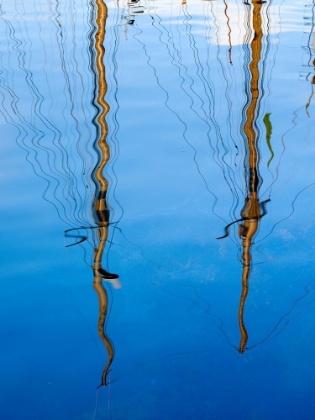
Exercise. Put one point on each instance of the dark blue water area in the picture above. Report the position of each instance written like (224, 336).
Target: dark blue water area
(173, 323)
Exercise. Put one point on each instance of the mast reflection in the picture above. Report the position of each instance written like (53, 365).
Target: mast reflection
(101, 210)
(253, 210)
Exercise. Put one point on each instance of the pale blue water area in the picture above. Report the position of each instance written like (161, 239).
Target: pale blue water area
(174, 99)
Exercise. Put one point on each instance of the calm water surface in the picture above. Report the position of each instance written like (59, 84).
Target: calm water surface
(134, 135)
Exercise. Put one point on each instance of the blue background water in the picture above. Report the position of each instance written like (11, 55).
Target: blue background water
(176, 180)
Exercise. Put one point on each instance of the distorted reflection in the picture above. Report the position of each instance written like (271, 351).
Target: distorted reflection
(102, 218)
(229, 31)
(150, 127)
(253, 210)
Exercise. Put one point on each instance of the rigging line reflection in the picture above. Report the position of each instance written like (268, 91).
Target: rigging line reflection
(183, 353)
(181, 120)
(75, 71)
(310, 49)
(41, 154)
(289, 215)
(229, 31)
(158, 82)
(207, 104)
(236, 189)
(284, 319)
(42, 140)
(74, 128)
(191, 92)
(76, 197)
(227, 149)
(101, 210)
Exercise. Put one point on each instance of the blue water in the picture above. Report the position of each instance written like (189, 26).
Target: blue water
(177, 82)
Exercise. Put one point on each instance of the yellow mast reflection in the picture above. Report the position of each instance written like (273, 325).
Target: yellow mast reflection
(100, 205)
(251, 212)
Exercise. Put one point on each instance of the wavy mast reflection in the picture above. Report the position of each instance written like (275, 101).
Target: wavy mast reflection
(253, 210)
(101, 210)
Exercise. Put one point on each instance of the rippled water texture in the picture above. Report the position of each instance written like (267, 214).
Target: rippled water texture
(157, 211)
